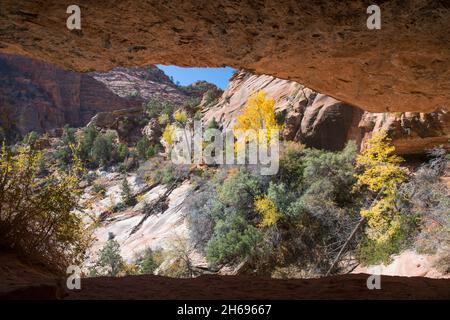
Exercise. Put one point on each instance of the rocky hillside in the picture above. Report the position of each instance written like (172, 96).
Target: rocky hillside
(321, 121)
(38, 96)
(148, 83)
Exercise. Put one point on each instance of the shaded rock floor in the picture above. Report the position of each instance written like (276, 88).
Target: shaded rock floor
(236, 287)
(19, 280)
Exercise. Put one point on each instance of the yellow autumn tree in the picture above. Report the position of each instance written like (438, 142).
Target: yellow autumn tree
(180, 116)
(258, 114)
(38, 214)
(267, 208)
(168, 134)
(381, 174)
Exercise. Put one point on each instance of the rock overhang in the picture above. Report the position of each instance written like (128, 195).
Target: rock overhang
(402, 67)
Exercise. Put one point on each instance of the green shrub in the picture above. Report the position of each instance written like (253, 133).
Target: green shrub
(292, 166)
(213, 124)
(149, 261)
(38, 216)
(142, 147)
(371, 252)
(211, 96)
(234, 240)
(145, 150)
(87, 142)
(167, 175)
(239, 190)
(104, 149)
(152, 151)
(127, 197)
(110, 262)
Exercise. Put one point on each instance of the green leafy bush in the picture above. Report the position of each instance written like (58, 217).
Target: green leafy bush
(122, 152)
(145, 150)
(149, 261)
(234, 240)
(38, 214)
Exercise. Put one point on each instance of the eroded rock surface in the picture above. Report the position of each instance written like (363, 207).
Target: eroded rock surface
(323, 122)
(402, 67)
(38, 96)
(156, 221)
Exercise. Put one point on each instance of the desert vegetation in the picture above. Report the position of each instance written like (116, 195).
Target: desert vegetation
(305, 214)
(324, 212)
(40, 215)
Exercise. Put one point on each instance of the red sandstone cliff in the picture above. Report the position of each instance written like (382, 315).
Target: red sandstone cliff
(38, 96)
(321, 121)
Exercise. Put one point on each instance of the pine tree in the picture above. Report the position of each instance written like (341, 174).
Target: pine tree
(213, 124)
(110, 258)
(127, 198)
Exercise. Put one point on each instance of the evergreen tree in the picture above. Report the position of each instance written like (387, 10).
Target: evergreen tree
(213, 124)
(110, 259)
(127, 198)
(148, 262)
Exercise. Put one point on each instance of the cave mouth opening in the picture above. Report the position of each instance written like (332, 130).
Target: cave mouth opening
(130, 204)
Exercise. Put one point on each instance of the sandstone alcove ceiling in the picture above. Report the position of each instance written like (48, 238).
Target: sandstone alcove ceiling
(324, 45)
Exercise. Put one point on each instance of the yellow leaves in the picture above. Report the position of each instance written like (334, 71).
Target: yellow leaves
(381, 174)
(168, 134)
(41, 212)
(380, 164)
(268, 210)
(140, 198)
(180, 116)
(258, 114)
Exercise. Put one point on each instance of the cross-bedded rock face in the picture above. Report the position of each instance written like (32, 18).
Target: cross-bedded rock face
(323, 122)
(39, 96)
(324, 45)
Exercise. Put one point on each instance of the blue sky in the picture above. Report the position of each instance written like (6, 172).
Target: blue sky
(186, 76)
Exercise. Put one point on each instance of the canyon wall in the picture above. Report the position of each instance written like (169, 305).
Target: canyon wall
(323, 122)
(39, 96)
(403, 67)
